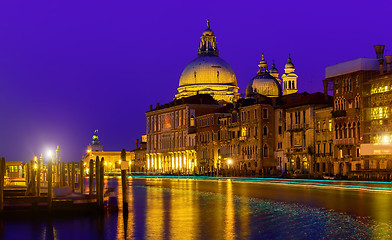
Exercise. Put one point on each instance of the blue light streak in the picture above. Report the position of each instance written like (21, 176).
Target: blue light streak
(293, 182)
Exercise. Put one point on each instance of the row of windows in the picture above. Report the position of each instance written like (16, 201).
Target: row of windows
(166, 121)
(323, 126)
(324, 148)
(166, 141)
(351, 130)
(246, 116)
(296, 117)
(340, 103)
(347, 84)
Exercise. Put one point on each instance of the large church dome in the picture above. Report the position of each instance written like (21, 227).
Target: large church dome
(263, 83)
(205, 70)
(208, 73)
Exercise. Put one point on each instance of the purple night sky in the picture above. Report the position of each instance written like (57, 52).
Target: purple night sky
(67, 68)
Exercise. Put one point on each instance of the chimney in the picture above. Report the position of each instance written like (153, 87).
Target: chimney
(388, 59)
(150, 107)
(380, 53)
(157, 105)
(137, 143)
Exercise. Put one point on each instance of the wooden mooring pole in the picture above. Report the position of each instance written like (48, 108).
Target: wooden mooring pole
(81, 178)
(39, 161)
(101, 182)
(69, 174)
(97, 179)
(73, 177)
(124, 182)
(62, 174)
(2, 172)
(33, 173)
(50, 183)
(90, 179)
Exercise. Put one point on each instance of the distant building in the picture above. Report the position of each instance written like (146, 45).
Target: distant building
(324, 132)
(14, 169)
(171, 132)
(300, 131)
(112, 159)
(376, 146)
(208, 135)
(347, 81)
(138, 156)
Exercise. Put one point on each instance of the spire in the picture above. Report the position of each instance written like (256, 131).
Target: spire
(289, 67)
(263, 66)
(273, 67)
(95, 138)
(208, 44)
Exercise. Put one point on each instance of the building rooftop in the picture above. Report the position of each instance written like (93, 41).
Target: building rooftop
(359, 64)
(313, 98)
(195, 99)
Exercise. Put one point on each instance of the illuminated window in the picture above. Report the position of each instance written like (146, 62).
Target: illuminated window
(330, 125)
(243, 132)
(192, 123)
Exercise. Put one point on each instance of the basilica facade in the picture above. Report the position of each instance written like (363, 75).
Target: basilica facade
(209, 127)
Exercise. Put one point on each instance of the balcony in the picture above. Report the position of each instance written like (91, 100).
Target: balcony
(296, 150)
(346, 141)
(297, 127)
(338, 113)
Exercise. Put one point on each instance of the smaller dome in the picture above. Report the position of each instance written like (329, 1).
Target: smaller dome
(289, 64)
(208, 32)
(264, 84)
(274, 69)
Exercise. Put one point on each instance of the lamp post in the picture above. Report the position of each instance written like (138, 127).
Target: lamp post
(50, 161)
(229, 162)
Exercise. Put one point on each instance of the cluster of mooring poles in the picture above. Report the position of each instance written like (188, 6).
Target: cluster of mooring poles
(58, 180)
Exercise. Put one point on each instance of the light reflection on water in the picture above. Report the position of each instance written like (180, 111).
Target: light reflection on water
(191, 209)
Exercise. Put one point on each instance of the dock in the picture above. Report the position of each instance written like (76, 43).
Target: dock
(54, 187)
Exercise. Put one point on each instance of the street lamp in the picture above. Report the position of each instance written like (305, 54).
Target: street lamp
(229, 162)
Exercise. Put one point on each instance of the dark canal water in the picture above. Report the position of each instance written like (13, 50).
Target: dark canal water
(179, 208)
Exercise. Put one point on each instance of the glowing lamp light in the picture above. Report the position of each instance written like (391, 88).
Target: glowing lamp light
(49, 153)
(89, 151)
(119, 161)
(35, 166)
(385, 139)
(229, 161)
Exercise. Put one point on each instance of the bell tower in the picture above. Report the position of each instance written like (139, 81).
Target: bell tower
(289, 78)
(95, 146)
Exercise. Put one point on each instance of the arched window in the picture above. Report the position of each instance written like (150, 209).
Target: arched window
(340, 131)
(345, 130)
(265, 131)
(336, 131)
(349, 130)
(354, 130)
(358, 131)
(265, 150)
